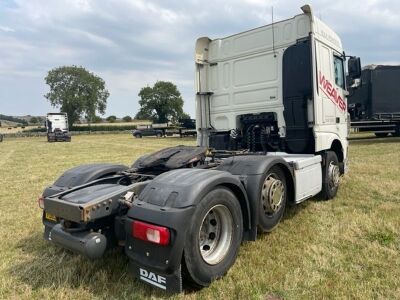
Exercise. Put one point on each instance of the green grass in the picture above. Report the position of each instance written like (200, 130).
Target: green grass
(345, 248)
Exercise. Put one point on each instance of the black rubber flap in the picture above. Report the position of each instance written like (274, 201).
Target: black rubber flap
(171, 283)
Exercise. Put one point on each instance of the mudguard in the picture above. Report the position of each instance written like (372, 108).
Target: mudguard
(81, 175)
(170, 200)
(186, 187)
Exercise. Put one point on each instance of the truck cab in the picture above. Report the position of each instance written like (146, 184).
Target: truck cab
(279, 87)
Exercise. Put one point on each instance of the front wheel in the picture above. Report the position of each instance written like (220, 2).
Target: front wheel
(330, 176)
(159, 134)
(213, 239)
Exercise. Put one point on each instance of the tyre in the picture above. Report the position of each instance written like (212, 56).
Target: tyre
(273, 198)
(330, 176)
(381, 134)
(213, 238)
(138, 135)
(159, 134)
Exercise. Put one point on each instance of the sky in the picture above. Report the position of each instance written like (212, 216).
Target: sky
(134, 43)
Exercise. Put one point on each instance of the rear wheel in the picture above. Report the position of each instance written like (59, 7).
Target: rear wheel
(330, 176)
(213, 239)
(159, 134)
(273, 197)
(138, 135)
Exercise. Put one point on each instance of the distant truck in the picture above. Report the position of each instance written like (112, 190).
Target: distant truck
(375, 105)
(185, 127)
(57, 127)
(188, 127)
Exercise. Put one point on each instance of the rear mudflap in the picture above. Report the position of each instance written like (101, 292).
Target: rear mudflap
(171, 283)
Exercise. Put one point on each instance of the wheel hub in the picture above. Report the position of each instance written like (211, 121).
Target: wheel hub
(215, 235)
(333, 175)
(272, 194)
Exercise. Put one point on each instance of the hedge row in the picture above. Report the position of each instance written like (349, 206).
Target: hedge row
(91, 128)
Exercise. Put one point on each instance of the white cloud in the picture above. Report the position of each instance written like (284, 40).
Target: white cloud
(131, 43)
(6, 29)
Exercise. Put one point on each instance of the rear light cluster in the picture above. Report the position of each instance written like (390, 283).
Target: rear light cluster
(41, 202)
(151, 233)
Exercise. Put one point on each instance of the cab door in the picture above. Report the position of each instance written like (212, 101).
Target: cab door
(331, 101)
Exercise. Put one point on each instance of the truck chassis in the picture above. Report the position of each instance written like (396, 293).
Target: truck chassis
(207, 201)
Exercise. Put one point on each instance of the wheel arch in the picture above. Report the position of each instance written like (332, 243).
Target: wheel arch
(243, 201)
(187, 187)
(337, 147)
(80, 175)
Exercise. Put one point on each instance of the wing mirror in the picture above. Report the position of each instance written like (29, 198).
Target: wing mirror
(354, 67)
(356, 83)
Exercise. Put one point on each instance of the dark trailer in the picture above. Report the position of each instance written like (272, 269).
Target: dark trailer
(375, 105)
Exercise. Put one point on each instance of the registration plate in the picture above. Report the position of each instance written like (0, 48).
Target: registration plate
(50, 217)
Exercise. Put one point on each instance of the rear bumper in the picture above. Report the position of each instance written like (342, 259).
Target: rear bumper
(90, 244)
(58, 137)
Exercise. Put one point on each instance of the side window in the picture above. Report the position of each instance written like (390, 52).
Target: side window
(339, 72)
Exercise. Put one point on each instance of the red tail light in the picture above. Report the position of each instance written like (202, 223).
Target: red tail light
(41, 202)
(150, 233)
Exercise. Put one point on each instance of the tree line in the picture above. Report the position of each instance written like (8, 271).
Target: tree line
(13, 119)
(80, 93)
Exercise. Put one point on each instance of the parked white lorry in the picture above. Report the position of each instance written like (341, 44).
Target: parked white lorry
(57, 127)
(272, 129)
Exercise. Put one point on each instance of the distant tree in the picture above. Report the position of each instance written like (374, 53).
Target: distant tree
(111, 119)
(76, 91)
(127, 119)
(160, 103)
(97, 119)
(185, 116)
(13, 119)
(34, 120)
(143, 115)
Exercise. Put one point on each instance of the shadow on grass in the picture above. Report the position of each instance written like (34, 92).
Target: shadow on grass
(45, 266)
(293, 209)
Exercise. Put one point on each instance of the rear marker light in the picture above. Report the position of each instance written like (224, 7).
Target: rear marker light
(41, 202)
(150, 233)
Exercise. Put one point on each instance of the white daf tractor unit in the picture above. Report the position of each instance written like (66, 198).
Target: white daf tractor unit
(57, 127)
(272, 125)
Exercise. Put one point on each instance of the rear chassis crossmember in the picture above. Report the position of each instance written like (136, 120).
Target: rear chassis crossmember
(85, 238)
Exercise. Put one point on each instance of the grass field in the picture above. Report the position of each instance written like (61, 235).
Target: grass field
(12, 129)
(345, 248)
